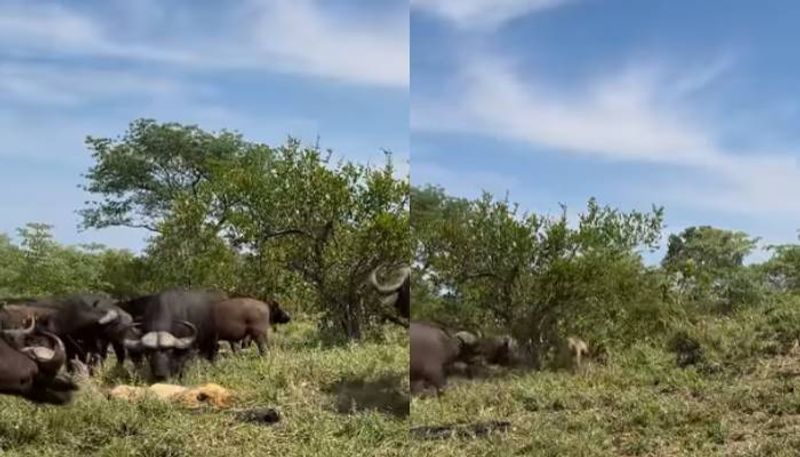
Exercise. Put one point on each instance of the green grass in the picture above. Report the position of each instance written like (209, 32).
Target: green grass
(617, 411)
(639, 404)
(741, 398)
(333, 402)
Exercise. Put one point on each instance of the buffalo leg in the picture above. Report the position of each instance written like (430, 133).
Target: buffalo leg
(72, 354)
(177, 363)
(438, 378)
(103, 350)
(119, 352)
(210, 350)
(261, 343)
(234, 346)
(417, 386)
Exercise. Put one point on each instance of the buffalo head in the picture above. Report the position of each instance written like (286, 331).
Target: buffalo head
(163, 349)
(277, 315)
(396, 293)
(29, 365)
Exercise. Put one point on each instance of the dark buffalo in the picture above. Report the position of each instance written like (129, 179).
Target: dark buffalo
(433, 352)
(173, 323)
(19, 315)
(498, 350)
(477, 352)
(240, 318)
(277, 316)
(114, 334)
(30, 370)
(81, 320)
(136, 307)
(396, 293)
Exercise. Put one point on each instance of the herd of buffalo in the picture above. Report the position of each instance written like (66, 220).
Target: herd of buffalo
(40, 335)
(437, 352)
(165, 329)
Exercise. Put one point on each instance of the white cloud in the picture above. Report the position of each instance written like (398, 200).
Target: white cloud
(625, 117)
(43, 26)
(50, 84)
(297, 36)
(483, 14)
(611, 117)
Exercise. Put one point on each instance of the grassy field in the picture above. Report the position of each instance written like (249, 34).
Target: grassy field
(333, 402)
(742, 399)
(618, 411)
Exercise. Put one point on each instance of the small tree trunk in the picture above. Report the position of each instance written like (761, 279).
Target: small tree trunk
(351, 323)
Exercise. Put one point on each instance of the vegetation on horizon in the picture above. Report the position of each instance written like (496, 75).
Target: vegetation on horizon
(699, 353)
(283, 222)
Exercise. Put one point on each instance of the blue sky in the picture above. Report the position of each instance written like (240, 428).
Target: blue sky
(690, 105)
(267, 68)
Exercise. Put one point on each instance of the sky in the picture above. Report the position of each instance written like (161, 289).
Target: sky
(266, 68)
(689, 105)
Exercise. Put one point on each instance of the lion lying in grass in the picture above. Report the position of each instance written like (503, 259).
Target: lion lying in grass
(190, 397)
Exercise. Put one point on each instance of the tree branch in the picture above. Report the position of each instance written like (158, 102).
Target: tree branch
(141, 226)
(269, 235)
(394, 319)
(469, 277)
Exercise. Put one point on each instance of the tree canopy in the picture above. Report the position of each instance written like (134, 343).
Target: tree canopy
(251, 218)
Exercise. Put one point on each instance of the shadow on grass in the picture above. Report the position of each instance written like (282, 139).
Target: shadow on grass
(479, 373)
(385, 394)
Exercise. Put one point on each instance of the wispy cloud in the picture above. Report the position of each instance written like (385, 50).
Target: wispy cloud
(48, 84)
(290, 36)
(483, 14)
(637, 115)
(299, 36)
(462, 183)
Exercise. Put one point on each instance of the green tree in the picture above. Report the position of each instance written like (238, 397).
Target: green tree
(782, 270)
(39, 265)
(9, 267)
(330, 223)
(250, 218)
(484, 262)
(140, 176)
(708, 266)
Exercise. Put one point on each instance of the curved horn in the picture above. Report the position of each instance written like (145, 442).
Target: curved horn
(166, 340)
(110, 316)
(20, 333)
(466, 338)
(132, 343)
(49, 360)
(150, 340)
(186, 342)
(391, 287)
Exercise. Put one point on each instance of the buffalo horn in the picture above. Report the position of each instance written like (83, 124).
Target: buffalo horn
(391, 287)
(49, 359)
(466, 338)
(110, 316)
(19, 333)
(133, 344)
(186, 342)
